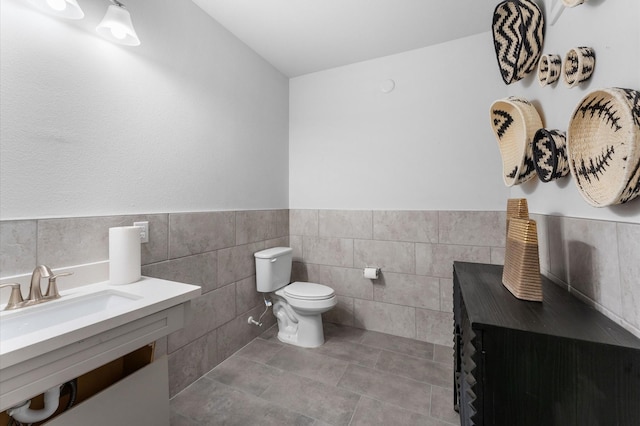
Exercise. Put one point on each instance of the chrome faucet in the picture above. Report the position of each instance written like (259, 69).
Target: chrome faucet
(35, 290)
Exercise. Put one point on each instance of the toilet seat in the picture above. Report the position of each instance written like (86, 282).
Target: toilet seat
(308, 291)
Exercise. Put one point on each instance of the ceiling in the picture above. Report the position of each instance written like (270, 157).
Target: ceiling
(303, 36)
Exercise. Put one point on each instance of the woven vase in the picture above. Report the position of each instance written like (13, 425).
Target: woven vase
(516, 208)
(521, 273)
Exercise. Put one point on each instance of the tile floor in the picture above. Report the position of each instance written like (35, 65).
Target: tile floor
(357, 377)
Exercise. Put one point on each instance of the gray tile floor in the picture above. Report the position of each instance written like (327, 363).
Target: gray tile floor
(357, 377)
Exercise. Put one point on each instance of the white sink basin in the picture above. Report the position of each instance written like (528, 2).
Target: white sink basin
(38, 318)
(47, 344)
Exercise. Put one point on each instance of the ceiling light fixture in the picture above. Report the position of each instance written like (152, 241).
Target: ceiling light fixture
(68, 9)
(116, 26)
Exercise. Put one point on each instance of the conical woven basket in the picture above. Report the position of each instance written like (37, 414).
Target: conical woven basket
(518, 36)
(603, 144)
(515, 122)
(521, 273)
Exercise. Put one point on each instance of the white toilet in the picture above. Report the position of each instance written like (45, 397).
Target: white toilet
(297, 306)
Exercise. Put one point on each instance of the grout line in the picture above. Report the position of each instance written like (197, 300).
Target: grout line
(355, 408)
(37, 254)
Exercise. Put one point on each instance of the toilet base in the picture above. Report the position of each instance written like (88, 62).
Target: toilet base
(307, 333)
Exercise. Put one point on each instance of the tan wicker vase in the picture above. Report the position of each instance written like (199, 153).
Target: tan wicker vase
(516, 208)
(603, 144)
(521, 273)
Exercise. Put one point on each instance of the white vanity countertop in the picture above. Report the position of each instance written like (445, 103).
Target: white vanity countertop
(120, 305)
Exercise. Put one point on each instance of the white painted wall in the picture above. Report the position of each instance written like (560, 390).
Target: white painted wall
(191, 120)
(611, 28)
(427, 145)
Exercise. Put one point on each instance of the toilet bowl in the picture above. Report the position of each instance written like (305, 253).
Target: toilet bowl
(298, 306)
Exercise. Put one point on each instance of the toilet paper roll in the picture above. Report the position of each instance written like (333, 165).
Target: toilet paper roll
(124, 255)
(371, 273)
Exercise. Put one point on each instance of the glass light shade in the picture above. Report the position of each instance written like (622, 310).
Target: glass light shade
(68, 9)
(116, 26)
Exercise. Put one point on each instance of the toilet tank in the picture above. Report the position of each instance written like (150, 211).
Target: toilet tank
(273, 268)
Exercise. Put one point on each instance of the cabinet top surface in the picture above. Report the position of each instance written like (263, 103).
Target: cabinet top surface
(489, 304)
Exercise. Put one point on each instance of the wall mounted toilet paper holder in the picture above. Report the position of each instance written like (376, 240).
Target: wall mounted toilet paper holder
(372, 272)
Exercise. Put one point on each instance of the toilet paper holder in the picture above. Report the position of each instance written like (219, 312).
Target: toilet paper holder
(372, 272)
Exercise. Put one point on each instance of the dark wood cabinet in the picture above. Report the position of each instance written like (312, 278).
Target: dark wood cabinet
(559, 362)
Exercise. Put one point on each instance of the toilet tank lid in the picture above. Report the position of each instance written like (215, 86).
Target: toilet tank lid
(273, 252)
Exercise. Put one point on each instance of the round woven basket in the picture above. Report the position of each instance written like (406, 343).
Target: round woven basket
(603, 144)
(550, 154)
(518, 35)
(549, 69)
(579, 64)
(515, 122)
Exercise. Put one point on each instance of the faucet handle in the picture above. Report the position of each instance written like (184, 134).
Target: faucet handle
(15, 299)
(52, 289)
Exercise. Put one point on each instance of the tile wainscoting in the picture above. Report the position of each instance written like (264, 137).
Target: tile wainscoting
(599, 261)
(415, 249)
(211, 249)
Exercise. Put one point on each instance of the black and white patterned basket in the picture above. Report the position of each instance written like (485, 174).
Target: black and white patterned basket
(550, 154)
(514, 122)
(518, 35)
(603, 146)
(549, 69)
(579, 64)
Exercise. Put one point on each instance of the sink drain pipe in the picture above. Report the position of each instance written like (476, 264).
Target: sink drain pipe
(23, 414)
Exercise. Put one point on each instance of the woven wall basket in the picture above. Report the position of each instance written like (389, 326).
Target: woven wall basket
(515, 122)
(518, 35)
(603, 144)
(579, 64)
(521, 273)
(549, 69)
(550, 154)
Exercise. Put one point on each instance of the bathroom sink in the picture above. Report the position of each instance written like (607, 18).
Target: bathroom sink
(56, 341)
(41, 317)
